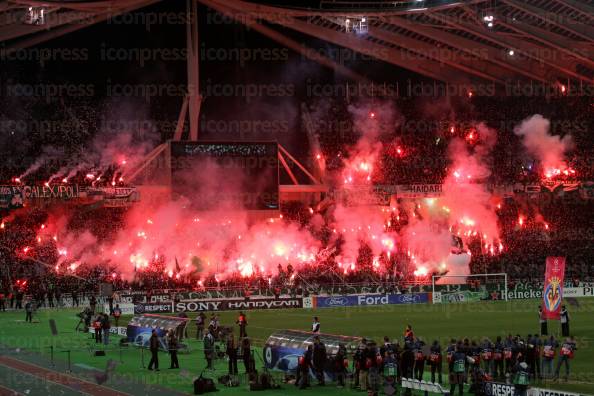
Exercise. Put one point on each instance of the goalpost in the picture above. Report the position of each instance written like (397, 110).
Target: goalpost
(457, 288)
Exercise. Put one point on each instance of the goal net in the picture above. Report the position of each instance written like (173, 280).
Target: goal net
(468, 288)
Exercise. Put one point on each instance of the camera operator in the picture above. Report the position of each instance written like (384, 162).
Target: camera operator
(209, 348)
(231, 348)
(200, 322)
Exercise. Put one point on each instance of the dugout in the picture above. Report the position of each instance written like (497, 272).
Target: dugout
(283, 348)
(140, 329)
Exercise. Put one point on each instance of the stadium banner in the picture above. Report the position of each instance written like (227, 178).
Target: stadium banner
(553, 287)
(14, 196)
(550, 392)
(464, 296)
(352, 195)
(142, 308)
(419, 190)
(236, 305)
(144, 297)
(370, 299)
(585, 291)
(498, 389)
(126, 308)
(10, 198)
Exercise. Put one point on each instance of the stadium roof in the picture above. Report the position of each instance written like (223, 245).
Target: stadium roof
(473, 41)
(22, 24)
(465, 42)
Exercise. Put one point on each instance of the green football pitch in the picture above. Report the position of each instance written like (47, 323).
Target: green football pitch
(430, 322)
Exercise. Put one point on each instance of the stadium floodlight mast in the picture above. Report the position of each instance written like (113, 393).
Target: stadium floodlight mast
(503, 275)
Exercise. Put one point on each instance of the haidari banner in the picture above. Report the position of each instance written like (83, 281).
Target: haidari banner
(552, 294)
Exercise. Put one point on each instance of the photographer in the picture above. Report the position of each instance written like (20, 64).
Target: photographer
(172, 346)
(246, 353)
(29, 311)
(200, 322)
(231, 348)
(209, 348)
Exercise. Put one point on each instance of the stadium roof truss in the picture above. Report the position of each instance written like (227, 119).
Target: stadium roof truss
(24, 23)
(462, 42)
(473, 41)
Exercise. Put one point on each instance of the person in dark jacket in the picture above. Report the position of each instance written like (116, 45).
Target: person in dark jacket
(340, 365)
(544, 330)
(200, 322)
(319, 359)
(450, 354)
(357, 362)
(98, 327)
(304, 366)
(154, 348)
(375, 361)
(231, 349)
(246, 352)
(117, 312)
(209, 348)
(435, 360)
(29, 311)
(509, 345)
(363, 365)
(419, 358)
(105, 327)
(498, 358)
(172, 347)
(93, 304)
(407, 363)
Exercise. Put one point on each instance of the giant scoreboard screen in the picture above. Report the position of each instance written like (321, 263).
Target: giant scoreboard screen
(226, 175)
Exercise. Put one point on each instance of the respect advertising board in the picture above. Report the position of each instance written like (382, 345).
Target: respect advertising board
(366, 299)
(142, 308)
(499, 389)
(237, 305)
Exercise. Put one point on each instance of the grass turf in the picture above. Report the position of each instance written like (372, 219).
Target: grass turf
(442, 322)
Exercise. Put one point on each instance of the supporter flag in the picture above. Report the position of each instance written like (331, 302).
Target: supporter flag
(553, 287)
(177, 269)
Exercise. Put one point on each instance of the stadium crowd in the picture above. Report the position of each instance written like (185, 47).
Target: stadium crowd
(560, 224)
